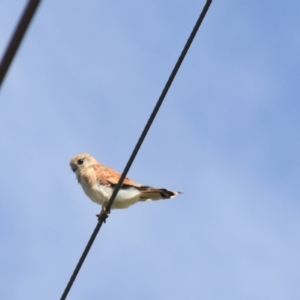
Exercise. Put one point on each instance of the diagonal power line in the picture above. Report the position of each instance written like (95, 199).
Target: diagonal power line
(17, 37)
(102, 217)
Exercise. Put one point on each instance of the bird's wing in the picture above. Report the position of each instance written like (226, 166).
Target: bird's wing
(109, 176)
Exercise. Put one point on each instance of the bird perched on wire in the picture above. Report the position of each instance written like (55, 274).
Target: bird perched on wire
(99, 181)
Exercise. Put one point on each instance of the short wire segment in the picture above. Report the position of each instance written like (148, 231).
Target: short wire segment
(103, 215)
(17, 37)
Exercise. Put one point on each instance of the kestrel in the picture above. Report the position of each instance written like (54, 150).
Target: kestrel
(99, 181)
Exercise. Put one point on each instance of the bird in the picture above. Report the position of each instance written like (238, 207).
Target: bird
(98, 182)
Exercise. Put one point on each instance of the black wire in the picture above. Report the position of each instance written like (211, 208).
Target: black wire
(17, 37)
(159, 102)
(137, 147)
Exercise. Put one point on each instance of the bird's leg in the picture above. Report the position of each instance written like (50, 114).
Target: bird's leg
(104, 213)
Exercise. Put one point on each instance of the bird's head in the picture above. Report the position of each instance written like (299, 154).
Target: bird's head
(81, 160)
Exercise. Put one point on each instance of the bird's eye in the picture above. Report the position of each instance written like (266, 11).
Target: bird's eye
(80, 161)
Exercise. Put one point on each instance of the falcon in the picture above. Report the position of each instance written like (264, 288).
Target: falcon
(99, 181)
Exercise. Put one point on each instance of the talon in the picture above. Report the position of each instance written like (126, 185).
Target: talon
(102, 216)
(104, 213)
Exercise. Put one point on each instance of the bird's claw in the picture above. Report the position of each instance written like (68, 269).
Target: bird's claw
(104, 213)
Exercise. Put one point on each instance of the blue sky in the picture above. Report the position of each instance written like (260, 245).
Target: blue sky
(85, 80)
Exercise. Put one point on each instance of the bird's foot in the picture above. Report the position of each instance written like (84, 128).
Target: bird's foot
(104, 213)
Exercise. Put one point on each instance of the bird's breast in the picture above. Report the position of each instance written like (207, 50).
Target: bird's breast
(100, 194)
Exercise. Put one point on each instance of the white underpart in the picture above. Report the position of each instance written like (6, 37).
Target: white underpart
(100, 193)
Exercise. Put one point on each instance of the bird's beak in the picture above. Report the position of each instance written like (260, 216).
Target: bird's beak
(73, 167)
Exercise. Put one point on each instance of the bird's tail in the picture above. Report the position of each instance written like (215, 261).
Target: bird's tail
(150, 193)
